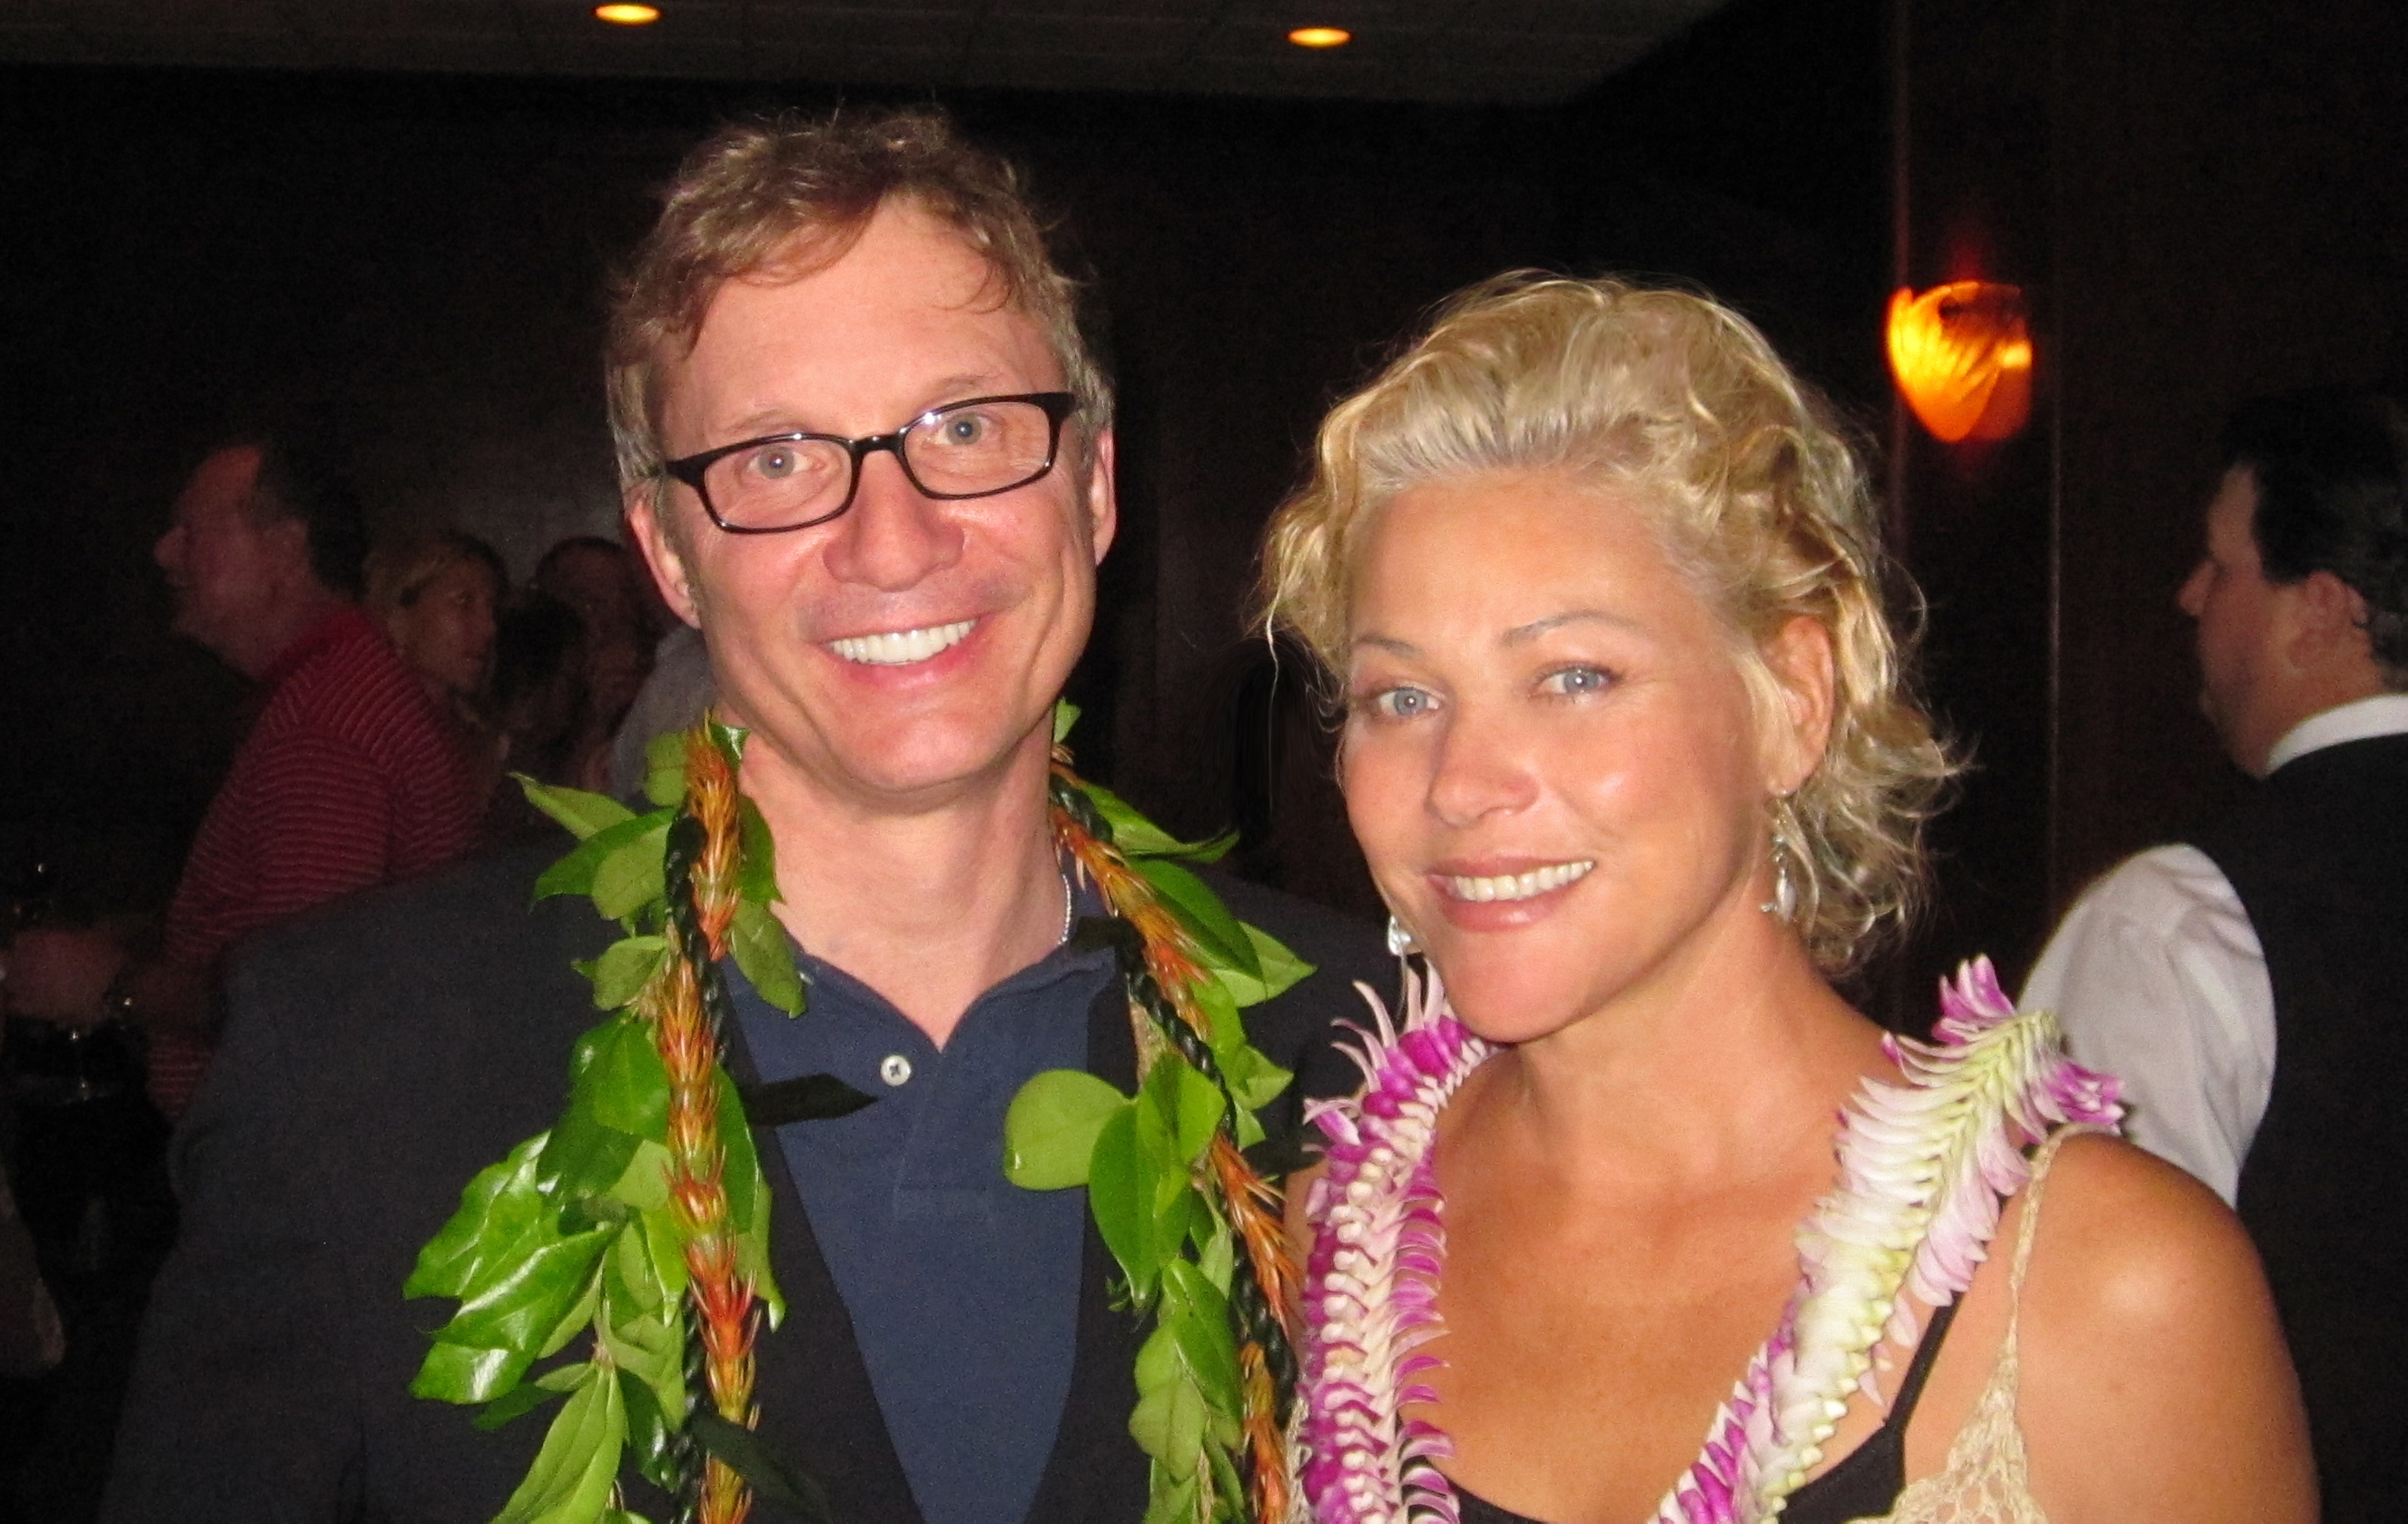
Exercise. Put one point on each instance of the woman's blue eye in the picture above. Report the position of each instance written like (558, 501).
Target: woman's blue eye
(1402, 703)
(1573, 681)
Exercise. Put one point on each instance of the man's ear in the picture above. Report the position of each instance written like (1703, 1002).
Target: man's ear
(663, 555)
(2328, 620)
(288, 542)
(1804, 670)
(1103, 504)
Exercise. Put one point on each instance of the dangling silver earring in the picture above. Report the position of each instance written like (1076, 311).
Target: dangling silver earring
(1782, 906)
(1400, 939)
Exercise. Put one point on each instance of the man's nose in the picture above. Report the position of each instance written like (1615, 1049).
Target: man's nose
(169, 548)
(894, 537)
(2192, 599)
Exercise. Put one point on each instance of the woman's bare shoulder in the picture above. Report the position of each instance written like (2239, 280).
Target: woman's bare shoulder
(2155, 1382)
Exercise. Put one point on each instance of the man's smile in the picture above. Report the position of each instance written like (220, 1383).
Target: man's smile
(900, 648)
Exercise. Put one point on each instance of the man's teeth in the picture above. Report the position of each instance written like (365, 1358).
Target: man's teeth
(1537, 880)
(900, 648)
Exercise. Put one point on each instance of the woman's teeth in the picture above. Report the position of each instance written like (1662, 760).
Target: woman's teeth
(900, 648)
(1537, 880)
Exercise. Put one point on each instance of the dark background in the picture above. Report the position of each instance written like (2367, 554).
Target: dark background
(2203, 199)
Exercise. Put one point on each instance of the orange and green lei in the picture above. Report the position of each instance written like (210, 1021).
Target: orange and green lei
(621, 1260)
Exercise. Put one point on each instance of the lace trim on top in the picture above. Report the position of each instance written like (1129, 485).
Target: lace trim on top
(1987, 1477)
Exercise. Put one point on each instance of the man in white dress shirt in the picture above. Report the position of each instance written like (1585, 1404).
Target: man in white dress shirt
(2251, 986)
(2158, 971)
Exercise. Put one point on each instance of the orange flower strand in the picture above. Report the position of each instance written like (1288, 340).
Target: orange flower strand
(720, 1294)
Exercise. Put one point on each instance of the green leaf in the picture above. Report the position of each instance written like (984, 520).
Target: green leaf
(571, 1479)
(1170, 1500)
(665, 1248)
(1119, 1193)
(1198, 1107)
(1198, 1314)
(520, 1308)
(1066, 714)
(742, 1451)
(586, 1156)
(1216, 1257)
(575, 873)
(623, 970)
(648, 1436)
(581, 812)
(729, 739)
(652, 1350)
(1276, 969)
(523, 1398)
(630, 877)
(664, 767)
(1168, 1425)
(627, 1084)
(757, 875)
(1255, 1081)
(497, 1206)
(458, 1373)
(766, 955)
(805, 1097)
(1218, 936)
(748, 1198)
(1138, 837)
(1049, 1133)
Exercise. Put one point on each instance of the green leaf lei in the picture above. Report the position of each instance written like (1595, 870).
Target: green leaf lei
(574, 1233)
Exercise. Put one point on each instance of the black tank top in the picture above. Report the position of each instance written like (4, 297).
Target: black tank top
(1864, 1484)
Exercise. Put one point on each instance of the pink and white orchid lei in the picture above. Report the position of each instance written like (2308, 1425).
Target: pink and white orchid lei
(1924, 1167)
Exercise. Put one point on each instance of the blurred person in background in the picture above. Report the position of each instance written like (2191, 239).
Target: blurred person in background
(437, 596)
(349, 777)
(609, 590)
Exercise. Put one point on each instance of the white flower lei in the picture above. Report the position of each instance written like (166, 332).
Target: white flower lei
(1924, 1167)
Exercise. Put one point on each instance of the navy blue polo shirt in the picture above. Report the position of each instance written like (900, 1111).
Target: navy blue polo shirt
(963, 1287)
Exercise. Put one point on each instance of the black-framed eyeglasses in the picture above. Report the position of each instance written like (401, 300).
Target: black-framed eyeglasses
(974, 448)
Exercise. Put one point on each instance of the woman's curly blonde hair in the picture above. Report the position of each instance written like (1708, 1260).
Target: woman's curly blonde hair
(1680, 406)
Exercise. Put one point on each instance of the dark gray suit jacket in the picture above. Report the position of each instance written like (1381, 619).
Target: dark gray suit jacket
(382, 1052)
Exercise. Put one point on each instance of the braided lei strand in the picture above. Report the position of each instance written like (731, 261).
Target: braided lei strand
(641, 1217)
(1924, 1169)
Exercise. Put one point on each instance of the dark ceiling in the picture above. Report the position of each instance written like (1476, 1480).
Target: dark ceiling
(1507, 51)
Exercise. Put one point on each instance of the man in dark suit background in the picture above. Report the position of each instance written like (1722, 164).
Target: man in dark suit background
(811, 361)
(2251, 986)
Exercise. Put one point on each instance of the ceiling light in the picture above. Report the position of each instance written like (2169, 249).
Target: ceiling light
(628, 15)
(1321, 36)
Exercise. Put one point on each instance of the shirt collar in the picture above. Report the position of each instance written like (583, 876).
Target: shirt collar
(343, 624)
(2363, 718)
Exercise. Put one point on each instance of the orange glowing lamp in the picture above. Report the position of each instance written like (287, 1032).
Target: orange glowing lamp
(1962, 354)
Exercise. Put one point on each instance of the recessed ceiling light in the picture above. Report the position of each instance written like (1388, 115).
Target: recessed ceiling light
(1321, 36)
(628, 15)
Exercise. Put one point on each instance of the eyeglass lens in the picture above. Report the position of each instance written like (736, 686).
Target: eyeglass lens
(967, 450)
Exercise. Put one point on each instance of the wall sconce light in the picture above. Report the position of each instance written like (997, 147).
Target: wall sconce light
(1962, 355)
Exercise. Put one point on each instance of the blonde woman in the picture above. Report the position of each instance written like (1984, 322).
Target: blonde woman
(1629, 749)
(434, 596)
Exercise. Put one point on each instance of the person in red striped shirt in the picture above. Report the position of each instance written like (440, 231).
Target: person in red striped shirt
(347, 779)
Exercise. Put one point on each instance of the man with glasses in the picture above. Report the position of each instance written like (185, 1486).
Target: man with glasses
(869, 459)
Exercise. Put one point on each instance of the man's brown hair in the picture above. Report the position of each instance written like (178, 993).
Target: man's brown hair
(784, 197)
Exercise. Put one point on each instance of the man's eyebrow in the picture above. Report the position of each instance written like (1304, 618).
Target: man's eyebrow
(1524, 634)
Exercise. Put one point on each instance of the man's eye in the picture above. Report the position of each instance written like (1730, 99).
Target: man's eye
(777, 463)
(1576, 681)
(964, 428)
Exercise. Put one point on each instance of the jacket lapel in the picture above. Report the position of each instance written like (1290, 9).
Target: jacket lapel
(1097, 1475)
(818, 1409)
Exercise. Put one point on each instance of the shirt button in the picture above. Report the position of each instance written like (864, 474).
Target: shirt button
(895, 1069)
